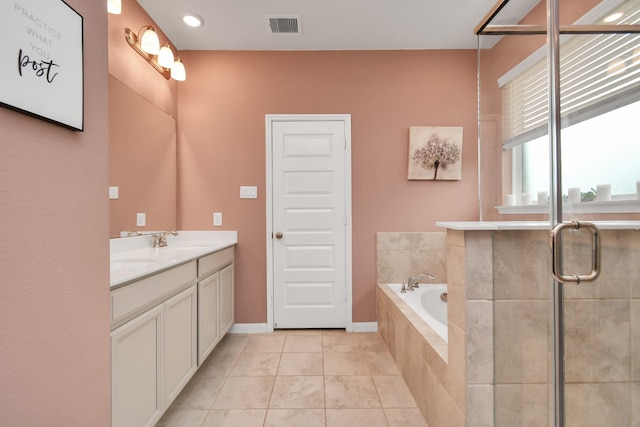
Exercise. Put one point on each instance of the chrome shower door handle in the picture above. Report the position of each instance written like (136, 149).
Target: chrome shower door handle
(556, 253)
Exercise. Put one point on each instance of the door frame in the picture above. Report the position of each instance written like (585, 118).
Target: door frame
(270, 119)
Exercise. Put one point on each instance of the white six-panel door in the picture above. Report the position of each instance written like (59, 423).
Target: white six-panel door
(309, 223)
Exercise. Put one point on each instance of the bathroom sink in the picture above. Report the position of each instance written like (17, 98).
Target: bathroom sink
(131, 263)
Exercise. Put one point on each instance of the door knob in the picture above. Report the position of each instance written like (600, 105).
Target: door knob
(278, 235)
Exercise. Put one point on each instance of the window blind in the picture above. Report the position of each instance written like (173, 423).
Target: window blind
(598, 73)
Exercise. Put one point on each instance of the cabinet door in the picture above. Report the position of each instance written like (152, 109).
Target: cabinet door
(180, 341)
(208, 330)
(226, 299)
(136, 371)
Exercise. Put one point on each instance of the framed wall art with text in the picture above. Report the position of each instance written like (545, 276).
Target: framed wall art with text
(41, 60)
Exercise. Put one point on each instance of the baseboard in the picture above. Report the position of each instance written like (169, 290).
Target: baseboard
(262, 328)
(365, 326)
(249, 328)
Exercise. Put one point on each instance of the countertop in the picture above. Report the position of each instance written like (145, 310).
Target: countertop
(529, 225)
(132, 258)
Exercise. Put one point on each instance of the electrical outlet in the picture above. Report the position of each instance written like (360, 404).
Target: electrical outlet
(141, 219)
(113, 193)
(217, 219)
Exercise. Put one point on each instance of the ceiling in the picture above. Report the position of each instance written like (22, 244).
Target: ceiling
(325, 24)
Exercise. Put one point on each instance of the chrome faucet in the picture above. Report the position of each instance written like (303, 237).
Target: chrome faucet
(412, 282)
(160, 239)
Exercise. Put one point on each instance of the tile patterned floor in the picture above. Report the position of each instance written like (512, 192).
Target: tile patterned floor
(296, 378)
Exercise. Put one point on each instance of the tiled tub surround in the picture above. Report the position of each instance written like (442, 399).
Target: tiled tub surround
(448, 380)
(503, 278)
(424, 359)
(433, 369)
(400, 255)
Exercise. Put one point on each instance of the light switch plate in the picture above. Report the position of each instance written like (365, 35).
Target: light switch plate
(217, 219)
(248, 192)
(141, 219)
(113, 193)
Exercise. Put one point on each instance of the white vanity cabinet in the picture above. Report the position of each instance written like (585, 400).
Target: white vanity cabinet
(181, 339)
(163, 326)
(226, 299)
(208, 323)
(153, 344)
(215, 300)
(136, 370)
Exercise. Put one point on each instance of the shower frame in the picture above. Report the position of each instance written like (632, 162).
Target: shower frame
(552, 30)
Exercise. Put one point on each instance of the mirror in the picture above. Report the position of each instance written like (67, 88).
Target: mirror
(142, 162)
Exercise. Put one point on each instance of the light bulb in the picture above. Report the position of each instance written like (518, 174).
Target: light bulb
(165, 56)
(178, 72)
(150, 42)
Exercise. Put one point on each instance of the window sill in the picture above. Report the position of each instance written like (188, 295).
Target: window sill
(613, 206)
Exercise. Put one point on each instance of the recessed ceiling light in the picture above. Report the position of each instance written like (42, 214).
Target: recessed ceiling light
(613, 17)
(192, 20)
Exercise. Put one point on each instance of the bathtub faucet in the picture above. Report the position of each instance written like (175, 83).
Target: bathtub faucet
(412, 282)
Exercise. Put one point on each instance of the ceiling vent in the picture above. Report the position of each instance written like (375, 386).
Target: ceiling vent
(284, 24)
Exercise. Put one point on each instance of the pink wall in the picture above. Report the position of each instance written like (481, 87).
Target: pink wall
(221, 126)
(54, 310)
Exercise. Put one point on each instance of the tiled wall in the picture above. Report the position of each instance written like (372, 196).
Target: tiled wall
(522, 285)
(401, 255)
(470, 309)
(602, 330)
(602, 333)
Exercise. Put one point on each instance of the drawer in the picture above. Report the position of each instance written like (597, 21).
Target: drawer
(136, 297)
(216, 261)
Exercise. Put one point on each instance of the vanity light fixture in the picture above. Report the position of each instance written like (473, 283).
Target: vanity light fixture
(147, 44)
(114, 7)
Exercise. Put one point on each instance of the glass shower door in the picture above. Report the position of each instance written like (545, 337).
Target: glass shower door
(587, 159)
(600, 165)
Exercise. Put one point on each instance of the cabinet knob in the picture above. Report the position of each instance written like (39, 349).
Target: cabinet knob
(278, 235)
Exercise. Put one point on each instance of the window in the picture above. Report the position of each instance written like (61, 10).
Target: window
(601, 150)
(600, 104)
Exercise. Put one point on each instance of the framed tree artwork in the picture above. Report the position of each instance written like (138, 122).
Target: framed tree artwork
(435, 153)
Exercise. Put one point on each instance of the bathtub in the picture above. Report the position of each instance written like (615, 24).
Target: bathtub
(426, 302)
